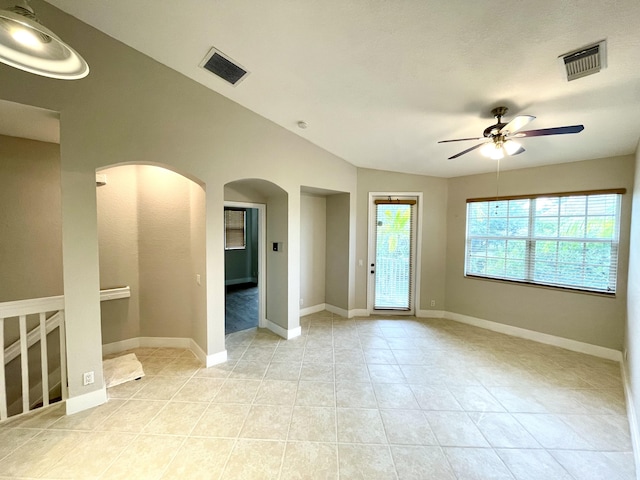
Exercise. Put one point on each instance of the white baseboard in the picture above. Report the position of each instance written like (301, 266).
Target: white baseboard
(283, 332)
(568, 344)
(337, 310)
(430, 313)
(358, 312)
(215, 358)
(85, 401)
(314, 309)
(631, 415)
(166, 342)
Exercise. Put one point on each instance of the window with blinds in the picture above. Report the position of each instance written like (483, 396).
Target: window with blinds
(562, 240)
(235, 237)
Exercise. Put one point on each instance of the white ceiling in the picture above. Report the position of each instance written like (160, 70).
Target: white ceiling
(380, 82)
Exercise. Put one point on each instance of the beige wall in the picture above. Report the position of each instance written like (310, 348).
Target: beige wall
(434, 231)
(117, 203)
(151, 238)
(338, 264)
(594, 319)
(30, 219)
(313, 241)
(133, 109)
(632, 340)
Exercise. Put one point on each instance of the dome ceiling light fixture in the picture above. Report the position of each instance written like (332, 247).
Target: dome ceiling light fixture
(28, 45)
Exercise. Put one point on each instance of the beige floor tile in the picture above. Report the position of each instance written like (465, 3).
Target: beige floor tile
(585, 465)
(455, 429)
(255, 460)
(370, 462)
(91, 456)
(379, 356)
(532, 464)
(249, 370)
(128, 389)
(517, 399)
(181, 367)
(267, 422)
(624, 463)
(13, 438)
(176, 418)
(261, 355)
(501, 430)
(316, 394)
(133, 416)
(276, 392)
(346, 372)
(477, 464)
(88, 419)
(317, 372)
(198, 389)
(394, 395)
(217, 371)
(221, 420)
(435, 397)
(386, 374)
(314, 424)
(310, 461)
(288, 355)
(145, 458)
(350, 356)
(414, 463)
(236, 390)
(317, 355)
(602, 401)
(475, 398)
(551, 432)
(40, 453)
(359, 425)
(200, 459)
(407, 427)
(160, 388)
(355, 395)
(603, 432)
(284, 371)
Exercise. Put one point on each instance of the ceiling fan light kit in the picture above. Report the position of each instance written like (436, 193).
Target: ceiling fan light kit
(498, 138)
(28, 45)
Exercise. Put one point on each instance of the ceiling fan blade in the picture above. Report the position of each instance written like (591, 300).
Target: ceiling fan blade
(517, 152)
(461, 139)
(466, 151)
(517, 123)
(551, 131)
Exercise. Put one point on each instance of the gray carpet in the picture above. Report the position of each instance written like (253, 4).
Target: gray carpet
(241, 307)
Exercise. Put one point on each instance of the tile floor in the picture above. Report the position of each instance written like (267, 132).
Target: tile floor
(350, 399)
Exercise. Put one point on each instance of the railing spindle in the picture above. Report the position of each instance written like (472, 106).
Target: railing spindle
(44, 360)
(24, 363)
(3, 386)
(63, 359)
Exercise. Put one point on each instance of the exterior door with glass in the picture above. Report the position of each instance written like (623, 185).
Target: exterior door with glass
(392, 258)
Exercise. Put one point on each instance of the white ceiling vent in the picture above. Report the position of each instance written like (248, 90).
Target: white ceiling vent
(224, 67)
(585, 61)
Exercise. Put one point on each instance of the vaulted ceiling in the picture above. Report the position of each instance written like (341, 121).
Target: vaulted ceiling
(380, 82)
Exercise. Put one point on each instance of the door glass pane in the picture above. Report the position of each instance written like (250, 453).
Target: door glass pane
(393, 257)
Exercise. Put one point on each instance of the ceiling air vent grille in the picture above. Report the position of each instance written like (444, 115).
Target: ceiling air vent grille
(222, 66)
(585, 61)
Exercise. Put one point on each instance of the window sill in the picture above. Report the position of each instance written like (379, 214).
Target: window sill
(545, 287)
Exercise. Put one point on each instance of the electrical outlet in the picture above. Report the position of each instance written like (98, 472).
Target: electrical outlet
(88, 378)
(433, 303)
(198, 278)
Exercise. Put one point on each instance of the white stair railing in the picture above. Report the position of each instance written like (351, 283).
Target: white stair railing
(18, 311)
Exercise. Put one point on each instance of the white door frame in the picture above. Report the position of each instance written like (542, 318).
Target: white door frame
(262, 257)
(416, 272)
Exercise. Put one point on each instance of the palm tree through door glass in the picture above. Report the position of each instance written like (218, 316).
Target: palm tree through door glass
(393, 257)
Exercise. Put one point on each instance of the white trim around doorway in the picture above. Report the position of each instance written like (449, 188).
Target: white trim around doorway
(262, 257)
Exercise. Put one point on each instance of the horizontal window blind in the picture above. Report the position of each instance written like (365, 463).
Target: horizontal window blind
(234, 229)
(568, 241)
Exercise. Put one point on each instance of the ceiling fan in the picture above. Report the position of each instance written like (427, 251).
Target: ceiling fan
(498, 139)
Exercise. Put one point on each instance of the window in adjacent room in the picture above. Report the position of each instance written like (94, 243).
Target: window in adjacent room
(235, 237)
(567, 240)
